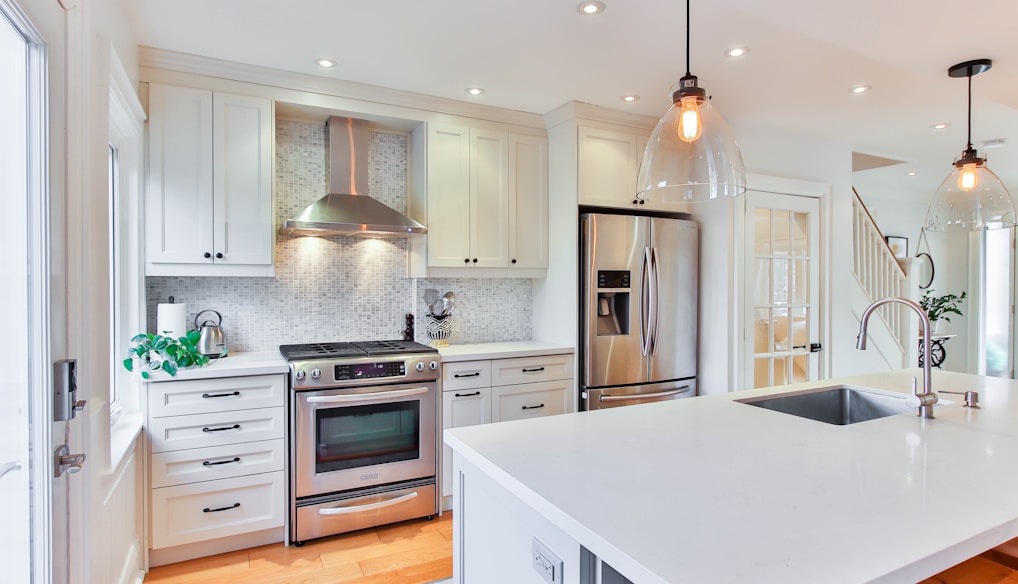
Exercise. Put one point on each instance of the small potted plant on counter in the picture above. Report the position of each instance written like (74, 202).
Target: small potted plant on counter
(159, 353)
(939, 307)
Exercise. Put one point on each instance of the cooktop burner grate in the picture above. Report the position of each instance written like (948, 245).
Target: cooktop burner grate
(354, 349)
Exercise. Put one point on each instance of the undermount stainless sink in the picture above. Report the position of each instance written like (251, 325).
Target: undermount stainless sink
(836, 405)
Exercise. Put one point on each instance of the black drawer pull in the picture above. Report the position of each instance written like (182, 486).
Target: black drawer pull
(207, 463)
(211, 395)
(207, 510)
(467, 394)
(233, 427)
(474, 374)
(525, 370)
(533, 407)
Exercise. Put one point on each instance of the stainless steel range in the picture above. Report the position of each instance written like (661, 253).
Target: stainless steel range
(363, 439)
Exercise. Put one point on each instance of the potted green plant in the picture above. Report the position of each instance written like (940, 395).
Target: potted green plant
(939, 307)
(159, 353)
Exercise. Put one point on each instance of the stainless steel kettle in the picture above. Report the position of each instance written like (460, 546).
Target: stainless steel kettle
(212, 341)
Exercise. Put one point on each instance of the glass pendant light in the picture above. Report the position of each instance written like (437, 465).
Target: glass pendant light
(692, 155)
(972, 198)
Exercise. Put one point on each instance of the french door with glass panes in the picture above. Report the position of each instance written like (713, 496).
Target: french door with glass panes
(782, 251)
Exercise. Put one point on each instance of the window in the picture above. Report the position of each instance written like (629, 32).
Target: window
(118, 345)
(995, 353)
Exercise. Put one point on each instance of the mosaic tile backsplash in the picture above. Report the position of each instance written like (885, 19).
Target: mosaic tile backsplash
(342, 288)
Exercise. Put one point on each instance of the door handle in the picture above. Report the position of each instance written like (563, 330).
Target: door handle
(9, 467)
(655, 299)
(349, 397)
(64, 461)
(367, 506)
(645, 307)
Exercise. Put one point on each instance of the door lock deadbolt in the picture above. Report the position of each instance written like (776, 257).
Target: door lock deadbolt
(64, 461)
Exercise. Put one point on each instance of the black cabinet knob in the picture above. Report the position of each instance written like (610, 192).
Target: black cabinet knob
(207, 255)
(514, 260)
(475, 260)
(642, 201)
(636, 201)
(219, 256)
(466, 260)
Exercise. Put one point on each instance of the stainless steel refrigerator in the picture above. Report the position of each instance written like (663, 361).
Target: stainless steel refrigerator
(638, 315)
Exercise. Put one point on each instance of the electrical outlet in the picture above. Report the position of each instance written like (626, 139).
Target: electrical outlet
(545, 563)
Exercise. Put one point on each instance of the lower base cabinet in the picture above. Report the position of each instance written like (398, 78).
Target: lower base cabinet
(500, 390)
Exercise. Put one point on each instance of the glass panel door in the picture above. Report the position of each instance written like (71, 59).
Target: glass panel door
(15, 483)
(782, 250)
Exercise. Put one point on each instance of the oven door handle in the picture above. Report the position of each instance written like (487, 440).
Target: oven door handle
(349, 397)
(367, 506)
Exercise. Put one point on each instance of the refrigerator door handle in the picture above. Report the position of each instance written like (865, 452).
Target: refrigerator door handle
(646, 309)
(655, 299)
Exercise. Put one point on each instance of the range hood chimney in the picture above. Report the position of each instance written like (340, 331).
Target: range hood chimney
(347, 209)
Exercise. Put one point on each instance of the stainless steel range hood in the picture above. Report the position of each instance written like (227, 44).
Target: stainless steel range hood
(347, 210)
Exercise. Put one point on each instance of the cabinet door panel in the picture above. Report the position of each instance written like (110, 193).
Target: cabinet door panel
(467, 407)
(179, 203)
(242, 139)
(489, 198)
(608, 163)
(531, 400)
(528, 196)
(448, 196)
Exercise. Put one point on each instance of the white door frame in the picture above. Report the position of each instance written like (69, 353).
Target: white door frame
(780, 186)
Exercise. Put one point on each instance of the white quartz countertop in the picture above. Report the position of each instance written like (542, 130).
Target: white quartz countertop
(471, 352)
(711, 490)
(252, 363)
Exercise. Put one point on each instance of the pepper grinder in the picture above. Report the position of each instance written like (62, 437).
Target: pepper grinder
(408, 332)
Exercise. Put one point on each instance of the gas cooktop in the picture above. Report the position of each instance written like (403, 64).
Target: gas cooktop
(351, 349)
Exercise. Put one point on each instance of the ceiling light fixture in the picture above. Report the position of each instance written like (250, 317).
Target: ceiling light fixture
(860, 89)
(475, 91)
(326, 63)
(630, 98)
(971, 198)
(590, 8)
(692, 155)
(940, 126)
(737, 52)
(911, 173)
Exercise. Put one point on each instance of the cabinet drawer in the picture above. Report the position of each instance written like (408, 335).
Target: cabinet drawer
(213, 509)
(531, 400)
(194, 465)
(466, 375)
(200, 396)
(531, 369)
(201, 430)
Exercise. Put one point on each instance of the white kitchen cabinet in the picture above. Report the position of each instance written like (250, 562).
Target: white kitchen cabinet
(498, 390)
(217, 462)
(487, 202)
(209, 203)
(608, 165)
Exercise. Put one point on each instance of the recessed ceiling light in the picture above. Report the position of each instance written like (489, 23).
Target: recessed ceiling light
(326, 63)
(630, 98)
(940, 126)
(590, 8)
(737, 52)
(475, 91)
(911, 173)
(860, 89)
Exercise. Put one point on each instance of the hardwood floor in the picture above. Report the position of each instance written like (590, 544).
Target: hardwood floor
(412, 552)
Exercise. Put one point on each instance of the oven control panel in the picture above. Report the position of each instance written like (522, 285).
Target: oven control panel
(370, 370)
(321, 373)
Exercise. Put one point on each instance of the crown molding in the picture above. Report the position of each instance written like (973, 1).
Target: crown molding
(288, 80)
(577, 111)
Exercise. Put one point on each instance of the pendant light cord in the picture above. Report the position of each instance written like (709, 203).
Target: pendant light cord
(687, 45)
(970, 109)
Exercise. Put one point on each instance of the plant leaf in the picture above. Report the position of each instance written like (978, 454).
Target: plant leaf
(129, 364)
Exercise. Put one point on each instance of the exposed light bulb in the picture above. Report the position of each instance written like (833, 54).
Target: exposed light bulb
(968, 180)
(690, 124)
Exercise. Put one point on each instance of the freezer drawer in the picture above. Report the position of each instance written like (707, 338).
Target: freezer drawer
(596, 399)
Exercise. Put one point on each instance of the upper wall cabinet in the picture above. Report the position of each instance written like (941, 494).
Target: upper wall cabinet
(609, 161)
(487, 202)
(209, 203)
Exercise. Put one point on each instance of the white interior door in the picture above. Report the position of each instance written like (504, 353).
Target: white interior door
(782, 275)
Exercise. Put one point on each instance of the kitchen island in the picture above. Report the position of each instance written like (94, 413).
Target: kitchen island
(713, 490)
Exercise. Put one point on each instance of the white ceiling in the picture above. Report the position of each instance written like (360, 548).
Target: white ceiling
(535, 55)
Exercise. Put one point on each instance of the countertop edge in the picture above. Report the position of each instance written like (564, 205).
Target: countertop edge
(235, 365)
(508, 350)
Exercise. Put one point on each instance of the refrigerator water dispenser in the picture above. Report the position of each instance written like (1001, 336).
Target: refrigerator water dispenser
(612, 302)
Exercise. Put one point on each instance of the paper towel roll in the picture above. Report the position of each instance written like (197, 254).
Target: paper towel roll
(171, 320)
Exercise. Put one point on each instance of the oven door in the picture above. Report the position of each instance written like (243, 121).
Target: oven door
(347, 439)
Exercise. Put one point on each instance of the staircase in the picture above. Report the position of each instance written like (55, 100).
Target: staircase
(892, 329)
